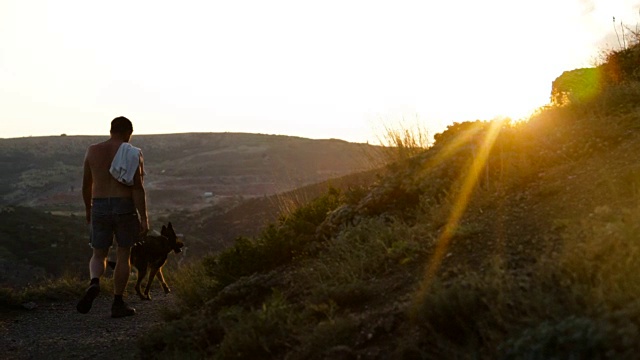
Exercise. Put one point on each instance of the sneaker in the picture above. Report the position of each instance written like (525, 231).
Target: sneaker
(84, 305)
(119, 310)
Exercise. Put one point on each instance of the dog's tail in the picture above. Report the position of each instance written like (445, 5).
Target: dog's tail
(112, 264)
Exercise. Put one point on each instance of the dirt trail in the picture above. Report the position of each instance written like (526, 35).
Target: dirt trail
(58, 331)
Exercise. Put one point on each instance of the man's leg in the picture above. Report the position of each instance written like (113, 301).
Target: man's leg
(97, 266)
(120, 280)
(98, 262)
(122, 270)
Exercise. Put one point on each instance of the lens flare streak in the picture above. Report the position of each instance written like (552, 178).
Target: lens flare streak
(460, 205)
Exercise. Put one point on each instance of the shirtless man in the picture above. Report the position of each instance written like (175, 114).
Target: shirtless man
(112, 208)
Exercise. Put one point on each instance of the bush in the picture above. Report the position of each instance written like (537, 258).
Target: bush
(277, 245)
(623, 65)
(258, 334)
(194, 336)
(63, 288)
(574, 338)
(462, 315)
(599, 259)
(321, 339)
(193, 286)
(348, 268)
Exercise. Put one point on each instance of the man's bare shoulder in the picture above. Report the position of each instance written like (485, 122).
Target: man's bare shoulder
(91, 149)
(98, 150)
(96, 146)
(104, 146)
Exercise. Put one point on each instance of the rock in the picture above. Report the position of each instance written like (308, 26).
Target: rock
(248, 290)
(336, 221)
(30, 305)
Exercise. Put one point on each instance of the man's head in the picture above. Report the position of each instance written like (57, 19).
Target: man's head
(122, 128)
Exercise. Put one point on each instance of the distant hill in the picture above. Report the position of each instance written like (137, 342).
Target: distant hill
(184, 171)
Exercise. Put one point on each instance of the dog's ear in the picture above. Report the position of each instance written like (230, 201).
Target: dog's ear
(164, 228)
(170, 226)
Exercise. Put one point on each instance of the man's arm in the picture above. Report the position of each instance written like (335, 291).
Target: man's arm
(140, 197)
(87, 184)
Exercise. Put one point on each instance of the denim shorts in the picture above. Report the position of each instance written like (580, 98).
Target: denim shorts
(114, 216)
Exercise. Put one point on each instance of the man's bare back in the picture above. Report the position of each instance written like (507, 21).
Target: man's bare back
(98, 161)
(99, 183)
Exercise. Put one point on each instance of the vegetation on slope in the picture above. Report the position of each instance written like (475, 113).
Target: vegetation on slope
(501, 240)
(33, 239)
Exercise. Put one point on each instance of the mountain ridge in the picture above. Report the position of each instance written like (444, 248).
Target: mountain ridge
(187, 170)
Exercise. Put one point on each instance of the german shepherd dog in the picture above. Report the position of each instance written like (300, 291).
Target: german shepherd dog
(151, 254)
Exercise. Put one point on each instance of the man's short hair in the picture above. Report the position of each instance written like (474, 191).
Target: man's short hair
(121, 125)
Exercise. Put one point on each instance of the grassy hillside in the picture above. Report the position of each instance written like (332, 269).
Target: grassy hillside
(35, 245)
(512, 241)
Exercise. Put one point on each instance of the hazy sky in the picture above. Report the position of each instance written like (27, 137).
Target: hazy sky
(317, 69)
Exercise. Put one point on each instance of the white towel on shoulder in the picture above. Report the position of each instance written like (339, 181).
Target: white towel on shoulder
(125, 163)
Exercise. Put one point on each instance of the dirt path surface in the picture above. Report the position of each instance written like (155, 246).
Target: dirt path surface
(58, 331)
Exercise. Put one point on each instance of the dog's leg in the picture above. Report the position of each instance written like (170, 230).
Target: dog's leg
(142, 272)
(160, 277)
(152, 273)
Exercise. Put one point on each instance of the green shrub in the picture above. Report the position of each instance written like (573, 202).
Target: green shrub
(477, 311)
(277, 245)
(319, 339)
(59, 289)
(460, 313)
(622, 65)
(574, 338)
(600, 256)
(347, 271)
(193, 286)
(258, 334)
(63, 288)
(371, 248)
(194, 336)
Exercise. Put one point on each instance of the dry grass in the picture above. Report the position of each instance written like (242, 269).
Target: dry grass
(399, 141)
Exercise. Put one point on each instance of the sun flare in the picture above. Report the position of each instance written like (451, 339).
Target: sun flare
(468, 182)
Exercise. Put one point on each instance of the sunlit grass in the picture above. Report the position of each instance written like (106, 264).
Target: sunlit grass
(546, 291)
(403, 140)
